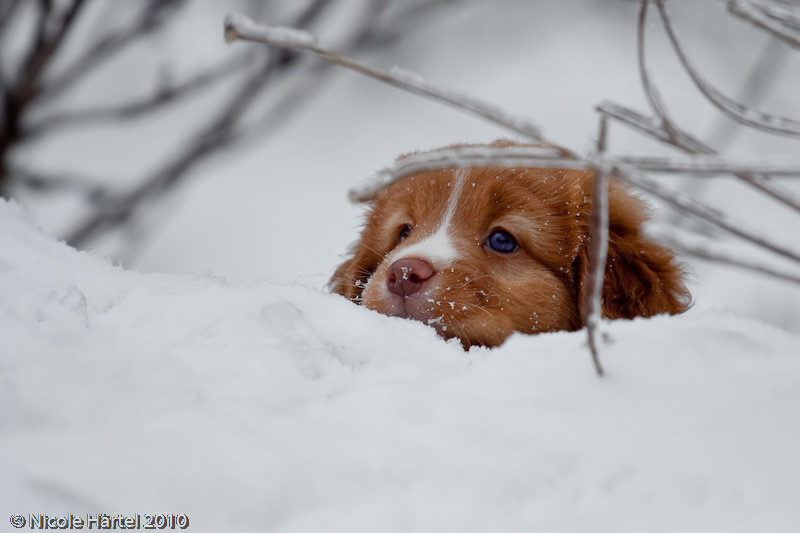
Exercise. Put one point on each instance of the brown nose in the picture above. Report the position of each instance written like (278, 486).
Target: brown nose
(406, 276)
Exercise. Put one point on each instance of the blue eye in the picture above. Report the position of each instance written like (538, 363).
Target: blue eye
(501, 241)
(404, 233)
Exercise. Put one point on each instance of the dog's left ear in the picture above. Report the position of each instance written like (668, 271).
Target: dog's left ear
(641, 278)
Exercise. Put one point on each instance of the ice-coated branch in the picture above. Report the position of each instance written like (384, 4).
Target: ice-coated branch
(688, 205)
(702, 164)
(239, 27)
(651, 92)
(470, 156)
(598, 251)
(691, 145)
(735, 110)
(782, 22)
(711, 250)
(551, 157)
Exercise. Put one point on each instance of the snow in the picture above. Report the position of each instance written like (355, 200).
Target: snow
(267, 407)
(241, 27)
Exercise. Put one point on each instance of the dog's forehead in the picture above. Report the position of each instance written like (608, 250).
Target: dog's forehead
(478, 194)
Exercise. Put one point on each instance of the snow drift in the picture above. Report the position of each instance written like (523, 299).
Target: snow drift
(281, 408)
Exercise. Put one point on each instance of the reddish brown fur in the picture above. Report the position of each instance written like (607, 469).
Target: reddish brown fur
(484, 296)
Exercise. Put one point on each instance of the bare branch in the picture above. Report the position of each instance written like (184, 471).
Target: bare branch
(752, 91)
(153, 16)
(688, 205)
(709, 250)
(238, 27)
(220, 132)
(652, 94)
(598, 251)
(738, 112)
(710, 165)
(162, 97)
(552, 157)
(780, 22)
(691, 145)
(512, 156)
(7, 8)
(55, 183)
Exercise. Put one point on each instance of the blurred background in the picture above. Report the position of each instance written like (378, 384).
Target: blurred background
(132, 129)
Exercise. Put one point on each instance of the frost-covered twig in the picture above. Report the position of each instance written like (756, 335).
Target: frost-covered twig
(551, 157)
(690, 144)
(598, 251)
(469, 156)
(782, 22)
(735, 110)
(651, 92)
(635, 178)
(710, 250)
(238, 27)
(714, 164)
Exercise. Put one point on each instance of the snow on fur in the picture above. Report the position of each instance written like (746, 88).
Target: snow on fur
(280, 408)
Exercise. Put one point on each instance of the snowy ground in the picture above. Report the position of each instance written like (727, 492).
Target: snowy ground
(281, 408)
(250, 403)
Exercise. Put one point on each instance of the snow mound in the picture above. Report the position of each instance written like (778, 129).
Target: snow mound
(283, 409)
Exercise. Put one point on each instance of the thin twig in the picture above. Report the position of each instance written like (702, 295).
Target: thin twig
(735, 110)
(635, 178)
(752, 91)
(714, 164)
(691, 145)
(221, 132)
(710, 250)
(238, 27)
(598, 251)
(551, 157)
(511, 156)
(780, 23)
(651, 92)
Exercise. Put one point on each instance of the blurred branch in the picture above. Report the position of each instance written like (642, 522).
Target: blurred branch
(162, 97)
(220, 133)
(55, 183)
(7, 8)
(735, 110)
(51, 32)
(153, 16)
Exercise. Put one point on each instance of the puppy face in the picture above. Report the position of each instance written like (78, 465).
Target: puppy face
(480, 253)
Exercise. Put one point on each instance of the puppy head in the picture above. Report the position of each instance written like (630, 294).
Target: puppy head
(480, 253)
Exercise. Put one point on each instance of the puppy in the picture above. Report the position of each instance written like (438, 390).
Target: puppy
(479, 253)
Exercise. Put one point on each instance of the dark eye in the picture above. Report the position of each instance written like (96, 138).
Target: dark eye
(404, 233)
(501, 241)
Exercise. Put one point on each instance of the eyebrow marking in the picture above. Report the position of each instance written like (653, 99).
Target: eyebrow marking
(438, 247)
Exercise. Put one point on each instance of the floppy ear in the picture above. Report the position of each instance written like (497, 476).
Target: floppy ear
(641, 278)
